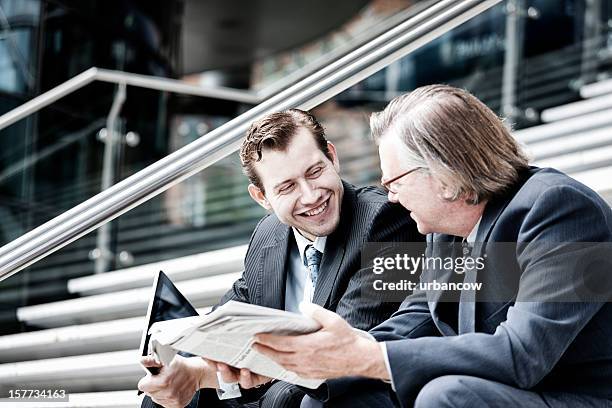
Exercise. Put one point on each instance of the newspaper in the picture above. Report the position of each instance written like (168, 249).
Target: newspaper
(227, 334)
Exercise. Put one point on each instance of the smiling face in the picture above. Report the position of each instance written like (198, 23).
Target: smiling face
(421, 194)
(301, 185)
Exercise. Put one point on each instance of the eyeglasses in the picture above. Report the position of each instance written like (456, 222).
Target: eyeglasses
(387, 184)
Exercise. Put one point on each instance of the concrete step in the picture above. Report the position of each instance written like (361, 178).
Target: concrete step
(560, 128)
(121, 334)
(178, 269)
(579, 161)
(599, 180)
(579, 108)
(121, 304)
(111, 399)
(114, 371)
(570, 143)
(596, 89)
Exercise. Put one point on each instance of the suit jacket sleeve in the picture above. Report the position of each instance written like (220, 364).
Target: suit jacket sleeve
(391, 224)
(524, 348)
(240, 289)
(238, 292)
(412, 319)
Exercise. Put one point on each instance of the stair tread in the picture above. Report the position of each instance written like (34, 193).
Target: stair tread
(132, 302)
(578, 108)
(109, 399)
(565, 127)
(77, 339)
(183, 268)
(596, 88)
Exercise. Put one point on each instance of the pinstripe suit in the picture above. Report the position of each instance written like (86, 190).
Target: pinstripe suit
(366, 216)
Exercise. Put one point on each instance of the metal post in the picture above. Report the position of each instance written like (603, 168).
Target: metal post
(19, 59)
(103, 254)
(591, 42)
(515, 25)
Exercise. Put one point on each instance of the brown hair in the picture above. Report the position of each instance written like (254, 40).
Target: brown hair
(274, 132)
(457, 137)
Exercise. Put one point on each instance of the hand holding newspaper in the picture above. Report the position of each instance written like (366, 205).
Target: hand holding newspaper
(227, 334)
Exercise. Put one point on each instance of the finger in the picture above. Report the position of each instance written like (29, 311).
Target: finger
(150, 361)
(144, 384)
(246, 381)
(261, 379)
(228, 374)
(326, 318)
(280, 343)
(280, 357)
(221, 366)
(292, 344)
(265, 350)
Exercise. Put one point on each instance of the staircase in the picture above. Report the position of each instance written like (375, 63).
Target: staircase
(88, 346)
(576, 138)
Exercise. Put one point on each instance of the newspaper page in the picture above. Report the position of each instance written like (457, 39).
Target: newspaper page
(227, 335)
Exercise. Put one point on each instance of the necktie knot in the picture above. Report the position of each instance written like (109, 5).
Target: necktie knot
(312, 260)
(466, 248)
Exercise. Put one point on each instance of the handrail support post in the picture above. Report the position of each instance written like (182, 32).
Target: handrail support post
(112, 142)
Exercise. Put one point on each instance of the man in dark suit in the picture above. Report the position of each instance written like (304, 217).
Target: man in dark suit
(307, 249)
(536, 334)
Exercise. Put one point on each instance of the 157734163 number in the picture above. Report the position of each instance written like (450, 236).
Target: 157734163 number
(35, 394)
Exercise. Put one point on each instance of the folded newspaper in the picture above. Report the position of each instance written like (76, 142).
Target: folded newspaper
(227, 335)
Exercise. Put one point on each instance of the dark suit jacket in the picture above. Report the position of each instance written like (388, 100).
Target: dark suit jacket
(536, 340)
(366, 216)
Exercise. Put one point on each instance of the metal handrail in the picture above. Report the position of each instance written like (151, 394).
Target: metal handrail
(219, 143)
(122, 78)
(336, 53)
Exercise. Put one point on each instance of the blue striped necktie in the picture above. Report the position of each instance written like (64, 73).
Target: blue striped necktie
(312, 260)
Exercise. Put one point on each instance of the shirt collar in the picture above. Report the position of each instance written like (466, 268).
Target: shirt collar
(303, 242)
(472, 235)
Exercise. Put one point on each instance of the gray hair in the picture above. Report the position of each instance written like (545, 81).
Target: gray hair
(457, 137)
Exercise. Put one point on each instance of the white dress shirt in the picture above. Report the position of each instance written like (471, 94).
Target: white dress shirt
(299, 284)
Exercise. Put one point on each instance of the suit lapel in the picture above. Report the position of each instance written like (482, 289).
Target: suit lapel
(490, 215)
(328, 271)
(334, 249)
(494, 209)
(272, 275)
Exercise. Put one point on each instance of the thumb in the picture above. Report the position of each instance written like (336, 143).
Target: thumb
(324, 317)
(150, 361)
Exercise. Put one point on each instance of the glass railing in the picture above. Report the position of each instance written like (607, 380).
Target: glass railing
(51, 161)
